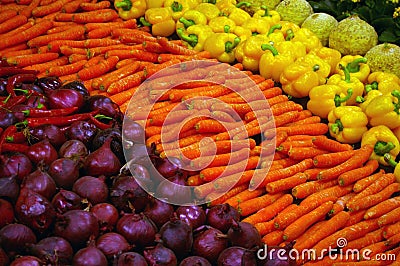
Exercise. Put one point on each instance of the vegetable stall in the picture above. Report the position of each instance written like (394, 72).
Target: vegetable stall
(189, 132)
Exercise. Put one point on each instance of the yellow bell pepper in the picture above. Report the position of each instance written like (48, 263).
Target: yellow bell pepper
(160, 20)
(306, 72)
(222, 4)
(239, 16)
(154, 3)
(275, 34)
(347, 82)
(222, 46)
(195, 36)
(347, 124)
(383, 140)
(272, 62)
(130, 9)
(324, 98)
(222, 24)
(178, 7)
(256, 26)
(307, 37)
(390, 161)
(270, 16)
(386, 81)
(191, 18)
(384, 110)
(241, 32)
(363, 102)
(357, 66)
(209, 10)
(329, 55)
(288, 29)
(249, 51)
(297, 49)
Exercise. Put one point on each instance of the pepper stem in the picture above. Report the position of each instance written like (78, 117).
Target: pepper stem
(6, 99)
(339, 100)
(100, 116)
(269, 47)
(396, 94)
(382, 147)
(273, 28)
(186, 23)
(289, 35)
(22, 124)
(266, 14)
(229, 46)
(388, 158)
(26, 112)
(23, 91)
(144, 22)
(176, 6)
(372, 86)
(354, 66)
(360, 99)
(346, 73)
(227, 28)
(191, 39)
(246, 4)
(126, 5)
(337, 126)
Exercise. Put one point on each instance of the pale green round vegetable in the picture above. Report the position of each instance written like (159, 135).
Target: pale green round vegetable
(295, 11)
(384, 57)
(321, 24)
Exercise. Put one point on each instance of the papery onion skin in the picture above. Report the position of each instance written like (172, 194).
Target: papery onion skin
(130, 258)
(89, 256)
(209, 242)
(195, 260)
(106, 214)
(27, 261)
(158, 211)
(237, 256)
(160, 256)
(54, 250)
(66, 200)
(16, 237)
(177, 236)
(195, 216)
(94, 189)
(137, 229)
(73, 148)
(112, 244)
(221, 217)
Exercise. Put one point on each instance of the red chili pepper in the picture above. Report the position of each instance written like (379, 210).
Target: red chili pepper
(13, 101)
(3, 63)
(13, 147)
(19, 78)
(54, 120)
(9, 70)
(50, 113)
(99, 124)
(8, 131)
(16, 137)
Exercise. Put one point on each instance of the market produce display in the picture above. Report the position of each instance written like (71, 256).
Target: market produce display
(303, 118)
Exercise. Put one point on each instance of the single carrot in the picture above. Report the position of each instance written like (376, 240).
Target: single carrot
(283, 119)
(73, 33)
(5, 55)
(72, 6)
(393, 241)
(331, 145)
(55, 45)
(61, 61)
(356, 217)
(273, 239)
(356, 174)
(382, 208)
(12, 23)
(128, 24)
(270, 211)
(332, 159)
(301, 153)
(313, 173)
(31, 59)
(287, 145)
(390, 217)
(366, 181)
(118, 74)
(43, 10)
(215, 198)
(299, 226)
(99, 69)
(253, 205)
(105, 15)
(283, 173)
(126, 83)
(183, 142)
(374, 249)
(390, 230)
(330, 193)
(68, 78)
(73, 58)
(312, 129)
(237, 179)
(309, 120)
(368, 239)
(215, 126)
(265, 227)
(132, 36)
(222, 116)
(243, 196)
(374, 199)
(66, 69)
(220, 159)
(7, 14)
(286, 183)
(340, 204)
(286, 162)
(174, 48)
(357, 160)
(133, 53)
(95, 6)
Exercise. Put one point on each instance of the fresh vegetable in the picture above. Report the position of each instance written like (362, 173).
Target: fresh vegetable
(195, 36)
(160, 20)
(222, 46)
(130, 9)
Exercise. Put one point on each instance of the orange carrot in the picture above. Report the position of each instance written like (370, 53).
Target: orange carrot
(220, 159)
(366, 181)
(270, 211)
(72, 6)
(331, 145)
(301, 153)
(117, 75)
(330, 193)
(332, 159)
(43, 10)
(354, 175)
(306, 121)
(286, 183)
(7, 14)
(313, 173)
(55, 45)
(253, 205)
(390, 217)
(105, 15)
(174, 48)
(13, 23)
(126, 83)
(273, 239)
(265, 227)
(95, 6)
(133, 53)
(132, 36)
(356, 217)
(287, 145)
(366, 240)
(236, 179)
(94, 71)
(312, 129)
(358, 159)
(74, 33)
(61, 61)
(5, 55)
(73, 58)
(66, 69)
(390, 229)
(31, 59)
(215, 198)
(382, 208)
(243, 196)
(299, 226)
(374, 199)
(214, 126)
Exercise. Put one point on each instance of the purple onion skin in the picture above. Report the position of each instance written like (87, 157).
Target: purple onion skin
(158, 211)
(4, 260)
(194, 216)
(53, 250)
(137, 229)
(209, 242)
(130, 258)
(244, 235)
(195, 260)
(16, 238)
(89, 256)
(177, 236)
(236, 256)
(221, 217)
(112, 244)
(160, 256)
(26, 261)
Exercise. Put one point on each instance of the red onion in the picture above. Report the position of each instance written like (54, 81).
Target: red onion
(116, 143)
(112, 244)
(102, 161)
(66, 200)
(209, 242)
(137, 229)
(244, 235)
(54, 250)
(129, 259)
(4, 260)
(169, 167)
(42, 152)
(65, 98)
(132, 131)
(73, 149)
(193, 215)
(47, 131)
(174, 190)
(106, 214)
(127, 195)
(26, 261)
(195, 260)
(34, 210)
(160, 256)
(16, 238)
(92, 188)
(65, 172)
(7, 213)
(9, 188)
(221, 216)
(89, 256)
(83, 131)
(177, 236)
(103, 104)
(77, 226)
(237, 256)
(158, 211)
(40, 182)
(15, 165)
